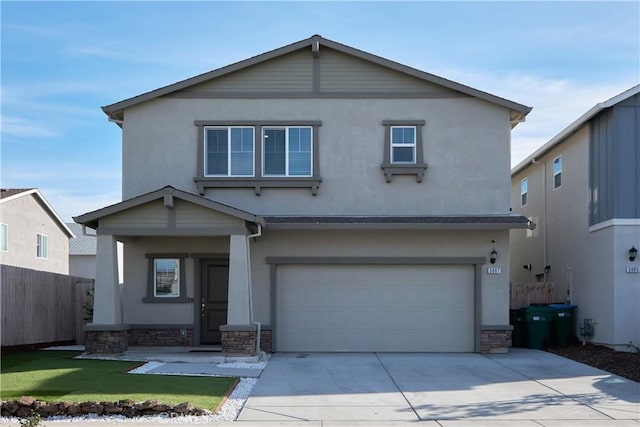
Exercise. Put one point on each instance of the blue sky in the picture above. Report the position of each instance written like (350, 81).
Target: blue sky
(62, 61)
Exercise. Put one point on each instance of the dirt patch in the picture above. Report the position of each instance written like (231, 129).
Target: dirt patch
(623, 364)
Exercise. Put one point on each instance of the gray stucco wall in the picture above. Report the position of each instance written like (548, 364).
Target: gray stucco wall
(466, 145)
(26, 217)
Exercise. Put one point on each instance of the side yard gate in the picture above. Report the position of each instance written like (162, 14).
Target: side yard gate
(40, 307)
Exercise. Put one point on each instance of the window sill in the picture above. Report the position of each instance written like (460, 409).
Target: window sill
(257, 184)
(176, 300)
(391, 169)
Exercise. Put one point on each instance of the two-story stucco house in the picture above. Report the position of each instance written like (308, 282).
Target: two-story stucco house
(312, 198)
(582, 189)
(32, 235)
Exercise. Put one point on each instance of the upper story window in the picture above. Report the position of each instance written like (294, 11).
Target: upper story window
(557, 172)
(403, 144)
(229, 151)
(4, 237)
(287, 151)
(524, 192)
(258, 154)
(42, 246)
(403, 151)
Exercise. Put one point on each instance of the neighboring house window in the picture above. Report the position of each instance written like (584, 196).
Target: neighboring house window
(287, 151)
(4, 237)
(166, 279)
(403, 152)
(42, 246)
(229, 151)
(403, 144)
(557, 172)
(524, 194)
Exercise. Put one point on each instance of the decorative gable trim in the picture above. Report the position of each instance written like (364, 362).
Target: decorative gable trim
(316, 42)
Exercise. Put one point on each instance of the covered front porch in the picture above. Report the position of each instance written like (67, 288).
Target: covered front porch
(187, 279)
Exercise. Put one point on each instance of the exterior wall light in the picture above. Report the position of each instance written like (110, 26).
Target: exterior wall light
(547, 268)
(527, 266)
(633, 253)
(493, 256)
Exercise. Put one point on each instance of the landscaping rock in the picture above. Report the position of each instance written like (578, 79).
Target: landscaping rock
(183, 408)
(126, 403)
(129, 412)
(11, 406)
(159, 408)
(73, 409)
(146, 405)
(91, 408)
(23, 412)
(26, 401)
(50, 409)
(111, 408)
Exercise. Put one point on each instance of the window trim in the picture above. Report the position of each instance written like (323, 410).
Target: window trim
(4, 237)
(286, 151)
(553, 164)
(524, 195)
(413, 145)
(151, 290)
(42, 250)
(205, 157)
(418, 168)
(258, 181)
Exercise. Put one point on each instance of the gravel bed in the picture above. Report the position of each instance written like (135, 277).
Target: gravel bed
(623, 364)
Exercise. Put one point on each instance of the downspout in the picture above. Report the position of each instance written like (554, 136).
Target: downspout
(544, 215)
(251, 321)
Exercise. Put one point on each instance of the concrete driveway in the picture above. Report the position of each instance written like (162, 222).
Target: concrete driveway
(524, 387)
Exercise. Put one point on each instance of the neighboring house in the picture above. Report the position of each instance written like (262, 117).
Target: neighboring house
(582, 189)
(82, 252)
(32, 235)
(312, 198)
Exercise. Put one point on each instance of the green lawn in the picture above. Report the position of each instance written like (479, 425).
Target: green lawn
(54, 376)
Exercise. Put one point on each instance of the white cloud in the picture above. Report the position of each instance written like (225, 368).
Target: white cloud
(21, 127)
(68, 204)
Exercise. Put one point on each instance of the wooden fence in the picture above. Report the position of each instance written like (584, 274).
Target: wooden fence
(524, 294)
(42, 307)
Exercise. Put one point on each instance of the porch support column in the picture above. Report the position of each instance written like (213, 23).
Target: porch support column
(106, 334)
(239, 336)
(239, 310)
(107, 288)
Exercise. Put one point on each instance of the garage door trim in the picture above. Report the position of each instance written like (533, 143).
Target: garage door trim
(477, 262)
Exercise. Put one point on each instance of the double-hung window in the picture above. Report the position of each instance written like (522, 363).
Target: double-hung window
(229, 151)
(166, 279)
(524, 192)
(42, 246)
(557, 172)
(287, 151)
(403, 144)
(4, 237)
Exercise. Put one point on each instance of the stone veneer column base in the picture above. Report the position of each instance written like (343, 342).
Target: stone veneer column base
(239, 339)
(265, 339)
(160, 336)
(495, 339)
(105, 339)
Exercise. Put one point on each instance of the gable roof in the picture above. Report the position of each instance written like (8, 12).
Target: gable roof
(115, 111)
(91, 219)
(8, 194)
(573, 127)
(85, 242)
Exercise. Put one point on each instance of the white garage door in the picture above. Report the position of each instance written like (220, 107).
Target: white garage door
(375, 308)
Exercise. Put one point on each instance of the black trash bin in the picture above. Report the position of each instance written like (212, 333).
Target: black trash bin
(516, 319)
(538, 320)
(564, 323)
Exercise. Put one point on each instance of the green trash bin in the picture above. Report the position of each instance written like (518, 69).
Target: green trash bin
(538, 320)
(564, 325)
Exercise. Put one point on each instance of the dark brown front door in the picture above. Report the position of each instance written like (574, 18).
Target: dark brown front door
(215, 290)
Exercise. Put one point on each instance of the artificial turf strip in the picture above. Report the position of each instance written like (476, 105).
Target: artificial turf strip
(54, 376)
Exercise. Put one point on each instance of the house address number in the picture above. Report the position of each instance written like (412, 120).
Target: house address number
(633, 269)
(494, 270)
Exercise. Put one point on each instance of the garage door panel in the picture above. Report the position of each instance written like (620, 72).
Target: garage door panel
(374, 308)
